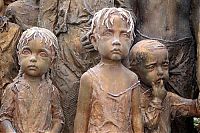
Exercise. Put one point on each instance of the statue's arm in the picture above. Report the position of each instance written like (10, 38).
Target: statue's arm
(83, 106)
(57, 113)
(137, 119)
(183, 107)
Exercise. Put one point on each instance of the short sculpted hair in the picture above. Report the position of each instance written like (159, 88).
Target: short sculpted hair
(46, 35)
(102, 17)
(140, 50)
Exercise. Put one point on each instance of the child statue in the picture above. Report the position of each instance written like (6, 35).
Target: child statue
(151, 63)
(70, 20)
(31, 103)
(108, 95)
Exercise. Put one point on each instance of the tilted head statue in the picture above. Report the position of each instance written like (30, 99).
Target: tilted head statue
(149, 60)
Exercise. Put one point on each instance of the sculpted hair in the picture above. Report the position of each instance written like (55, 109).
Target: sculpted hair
(35, 32)
(102, 17)
(140, 51)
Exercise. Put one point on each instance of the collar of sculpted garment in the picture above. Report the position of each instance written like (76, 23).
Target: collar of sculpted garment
(20, 81)
(145, 89)
(133, 86)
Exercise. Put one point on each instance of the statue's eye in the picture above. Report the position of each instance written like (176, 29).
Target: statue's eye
(107, 33)
(43, 54)
(165, 64)
(150, 67)
(125, 34)
(26, 51)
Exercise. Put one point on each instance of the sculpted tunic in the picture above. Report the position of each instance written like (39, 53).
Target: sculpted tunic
(158, 116)
(31, 109)
(110, 113)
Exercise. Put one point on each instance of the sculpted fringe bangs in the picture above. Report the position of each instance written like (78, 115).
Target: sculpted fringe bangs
(102, 17)
(35, 32)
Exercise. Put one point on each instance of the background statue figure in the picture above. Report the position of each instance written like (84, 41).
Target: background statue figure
(24, 13)
(149, 59)
(169, 22)
(9, 35)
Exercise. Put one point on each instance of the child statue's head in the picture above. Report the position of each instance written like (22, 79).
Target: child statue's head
(112, 33)
(149, 60)
(37, 49)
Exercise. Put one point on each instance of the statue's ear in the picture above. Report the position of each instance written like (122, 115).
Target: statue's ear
(93, 39)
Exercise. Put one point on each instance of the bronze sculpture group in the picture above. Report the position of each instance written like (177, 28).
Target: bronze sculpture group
(111, 98)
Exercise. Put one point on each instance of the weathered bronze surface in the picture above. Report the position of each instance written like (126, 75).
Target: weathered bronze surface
(170, 22)
(109, 94)
(151, 63)
(175, 23)
(9, 35)
(70, 20)
(24, 13)
(31, 104)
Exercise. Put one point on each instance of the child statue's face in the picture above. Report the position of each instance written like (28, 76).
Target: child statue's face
(35, 58)
(155, 67)
(113, 43)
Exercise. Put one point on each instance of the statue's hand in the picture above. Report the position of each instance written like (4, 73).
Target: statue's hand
(159, 91)
(85, 41)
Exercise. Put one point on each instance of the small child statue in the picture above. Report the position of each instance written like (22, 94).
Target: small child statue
(31, 103)
(149, 60)
(108, 97)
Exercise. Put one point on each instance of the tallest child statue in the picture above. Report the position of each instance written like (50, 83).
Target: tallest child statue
(109, 94)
